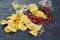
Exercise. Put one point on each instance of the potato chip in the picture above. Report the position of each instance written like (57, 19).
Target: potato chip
(37, 27)
(3, 22)
(20, 14)
(22, 27)
(12, 27)
(34, 32)
(16, 26)
(32, 7)
(25, 19)
(34, 27)
(40, 14)
(30, 27)
(12, 17)
(7, 30)
(9, 17)
(16, 6)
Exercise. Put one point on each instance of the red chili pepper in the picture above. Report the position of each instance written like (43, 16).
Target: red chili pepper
(46, 9)
(39, 19)
(51, 19)
(31, 16)
(47, 17)
(34, 21)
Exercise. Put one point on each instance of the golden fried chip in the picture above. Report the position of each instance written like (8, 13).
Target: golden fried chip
(30, 27)
(11, 27)
(40, 14)
(8, 17)
(34, 27)
(25, 19)
(37, 27)
(32, 7)
(20, 14)
(12, 17)
(34, 32)
(22, 27)
(16, 6)
(7, 30)
(3, 22)
(16, 26)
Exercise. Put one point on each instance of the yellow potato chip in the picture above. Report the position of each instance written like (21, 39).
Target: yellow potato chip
(34, 27)
(9, 21)
(20, 14)
(34, 32)
(3, 22)
(16, 6)
(16, 26)
(12, 17)
(8, 17)
(30, 27)
(7, 30)
(12, 27)
(32, 7)
(37, 27)
(24, 19)
(22, 27)
(40, 14)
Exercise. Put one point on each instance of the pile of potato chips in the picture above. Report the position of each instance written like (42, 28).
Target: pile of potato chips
(21, 22)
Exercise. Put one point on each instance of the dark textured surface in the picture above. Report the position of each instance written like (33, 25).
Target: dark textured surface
(52, 30)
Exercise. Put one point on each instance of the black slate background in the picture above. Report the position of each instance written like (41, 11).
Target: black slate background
(52, 31)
